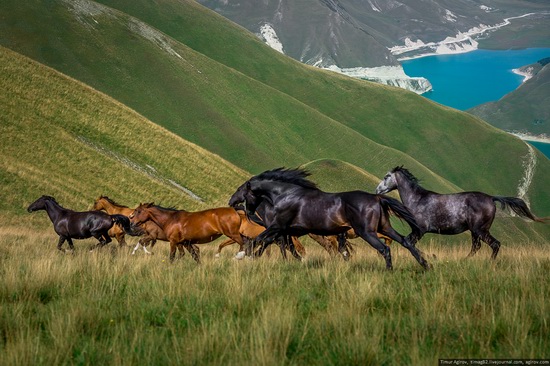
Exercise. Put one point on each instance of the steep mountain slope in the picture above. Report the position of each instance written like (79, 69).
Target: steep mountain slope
(526, 109)
(207, 80)
(64, 139)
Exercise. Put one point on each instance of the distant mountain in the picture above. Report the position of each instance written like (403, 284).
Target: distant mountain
(366, 38)
(525, 110)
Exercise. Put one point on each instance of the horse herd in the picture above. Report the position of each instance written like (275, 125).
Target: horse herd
(281, 205)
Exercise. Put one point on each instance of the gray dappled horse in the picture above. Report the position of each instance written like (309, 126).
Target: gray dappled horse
(450, 214)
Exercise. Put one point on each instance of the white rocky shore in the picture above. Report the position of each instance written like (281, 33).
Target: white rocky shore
(395, 75)
(388, 75)
(461, 43)
(529, 137)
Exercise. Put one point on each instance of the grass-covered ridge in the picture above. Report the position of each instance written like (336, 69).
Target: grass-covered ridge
(64, 139)
(206, 79)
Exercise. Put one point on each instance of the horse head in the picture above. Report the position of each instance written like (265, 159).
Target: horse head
(388, 183)
(40, 204)
(141, 213)
(99, 203)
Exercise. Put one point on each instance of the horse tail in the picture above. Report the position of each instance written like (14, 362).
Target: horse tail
(398, 209)
(129, 229)
(518, 206)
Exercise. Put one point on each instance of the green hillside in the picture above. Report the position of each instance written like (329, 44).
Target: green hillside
(244, 101)
(64, 139)
(526, 109)
(216, 85)
(446, 141)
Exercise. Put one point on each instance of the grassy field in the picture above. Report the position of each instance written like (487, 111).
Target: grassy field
(108, 307)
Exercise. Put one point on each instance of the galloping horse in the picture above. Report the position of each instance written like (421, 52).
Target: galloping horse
(298, 207)
(450, 214)
(69, 224)
(188, 228)
(152, 231)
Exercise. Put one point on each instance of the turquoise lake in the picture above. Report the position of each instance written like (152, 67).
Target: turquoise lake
(465, 80)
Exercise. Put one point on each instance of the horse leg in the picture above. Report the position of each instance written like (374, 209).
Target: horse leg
(121, 239)
(194, 252)
(181, 250)
(493, 243)
(371, 238)
(173, 247)
(342, 247)
(298, 245)
(293, 248)
(71, 246)
(266, 238)
(223, 245)
(60, 244)
(152, 242)
(282, 247)
(476, 244)
(417, 254)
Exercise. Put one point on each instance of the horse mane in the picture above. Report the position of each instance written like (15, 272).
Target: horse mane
(50, 198)
(406, 173)
(111, 201)
(295, 176)
(171, 208)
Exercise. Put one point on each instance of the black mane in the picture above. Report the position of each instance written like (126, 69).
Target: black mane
(50, 198)
(295, 176)
(406, 173)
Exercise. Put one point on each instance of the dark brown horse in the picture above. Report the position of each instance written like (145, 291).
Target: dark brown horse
(188, 228)
(69, 224)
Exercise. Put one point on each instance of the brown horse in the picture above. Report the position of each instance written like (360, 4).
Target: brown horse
(152, 231)
(188, 228)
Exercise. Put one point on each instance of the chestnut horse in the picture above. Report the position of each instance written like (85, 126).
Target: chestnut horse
(187, 228)
(152, 232)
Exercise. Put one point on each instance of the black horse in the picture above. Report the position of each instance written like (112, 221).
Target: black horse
(450, 214)
(297, 207)
(70, 224)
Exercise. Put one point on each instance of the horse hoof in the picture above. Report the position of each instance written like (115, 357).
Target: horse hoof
(240, 255)
(217, 255)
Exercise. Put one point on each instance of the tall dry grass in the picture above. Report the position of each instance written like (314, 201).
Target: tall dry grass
(110, 307)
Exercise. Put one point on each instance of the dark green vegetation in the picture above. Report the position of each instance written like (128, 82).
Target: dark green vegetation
(526, 109)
